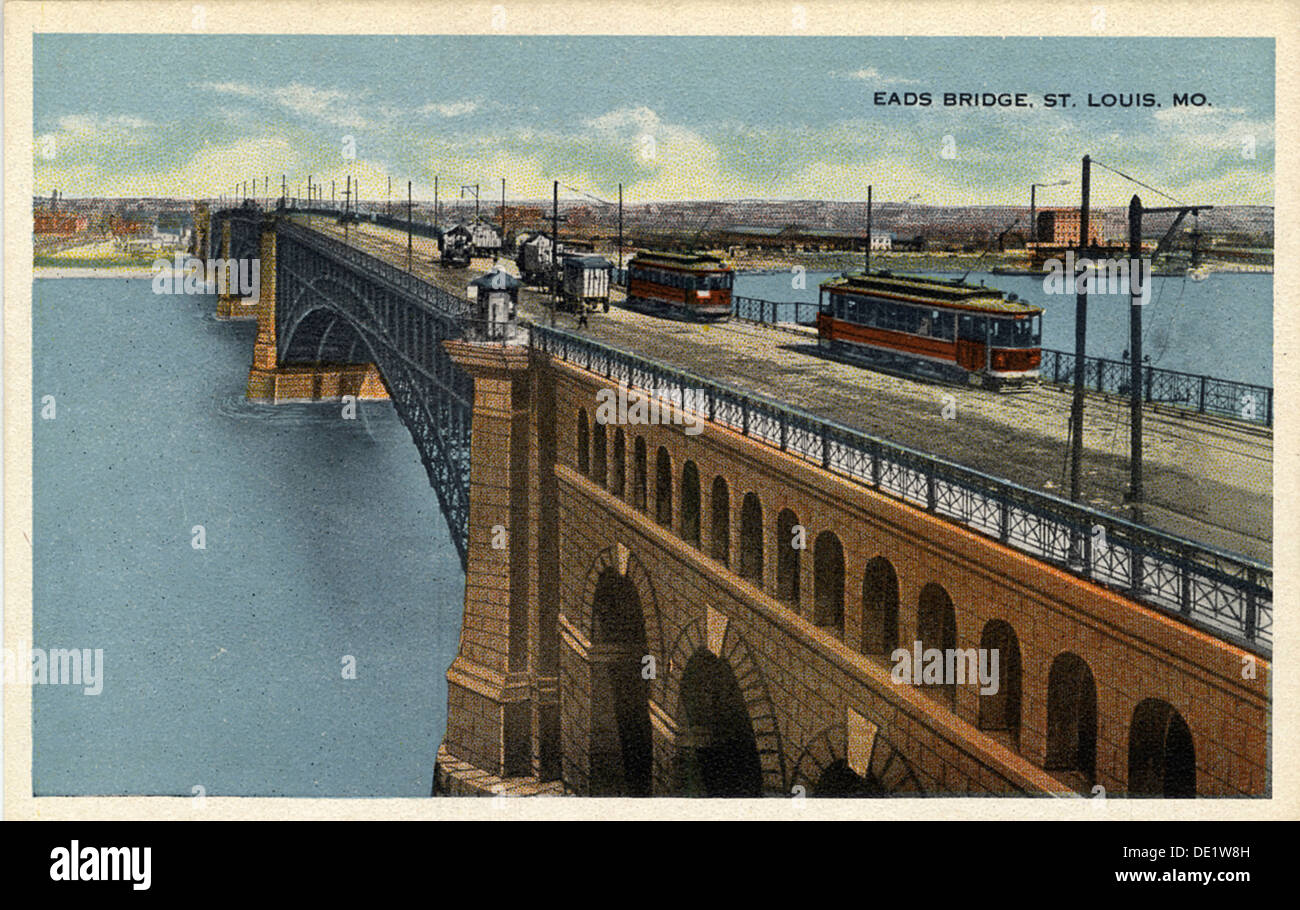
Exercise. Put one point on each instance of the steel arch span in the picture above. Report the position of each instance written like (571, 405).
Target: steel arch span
(341, 306)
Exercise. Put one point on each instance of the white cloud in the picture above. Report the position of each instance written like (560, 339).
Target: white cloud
(451, 108)
(871, 74)
(329, 105)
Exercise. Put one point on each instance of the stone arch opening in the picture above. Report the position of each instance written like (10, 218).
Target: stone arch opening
(618, 472)
(839, 780)
(936, 627)
(663, 488)
(720, 543)
(1072, 719)
(584, 463)
(621, 751)
(1000, 711)
(828, 583)
(639, 474)
(823, 768)
(879, 607)
(751, 539)
(787, 558)
(599, 467)
(717, 752)
(1161, 753)
(691, 503)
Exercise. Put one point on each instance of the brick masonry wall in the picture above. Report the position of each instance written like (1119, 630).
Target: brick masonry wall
(817, 684)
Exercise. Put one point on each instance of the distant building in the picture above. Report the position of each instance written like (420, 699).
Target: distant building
(58, 223)
(522, 217)
(882, 240)
(123, 227)
(1060, 227)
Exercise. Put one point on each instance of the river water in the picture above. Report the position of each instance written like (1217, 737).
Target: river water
(224, 666)
(1222, 326)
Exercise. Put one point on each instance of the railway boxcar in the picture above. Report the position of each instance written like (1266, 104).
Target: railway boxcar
(534, 260)
(456, 246)
(586, 281)
(963, 329)
(695, 285)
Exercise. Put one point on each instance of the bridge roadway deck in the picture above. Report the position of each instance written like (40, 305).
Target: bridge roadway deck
(1206, 479)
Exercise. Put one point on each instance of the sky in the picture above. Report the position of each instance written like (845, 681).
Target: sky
(670, 118)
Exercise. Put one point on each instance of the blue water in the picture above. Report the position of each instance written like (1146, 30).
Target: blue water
(223, 666)
(1222, 326)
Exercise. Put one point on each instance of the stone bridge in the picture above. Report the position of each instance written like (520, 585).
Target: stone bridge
(714, 602)
(713, 613)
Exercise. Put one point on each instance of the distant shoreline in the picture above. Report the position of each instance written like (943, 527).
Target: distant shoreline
(45, 271)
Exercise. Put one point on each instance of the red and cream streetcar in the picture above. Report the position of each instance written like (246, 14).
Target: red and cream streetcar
(695, 285)
(963, 329)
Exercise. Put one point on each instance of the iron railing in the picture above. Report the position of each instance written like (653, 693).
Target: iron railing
(1203, 394)
(1227, 595)
(373, 267)
(753, 309)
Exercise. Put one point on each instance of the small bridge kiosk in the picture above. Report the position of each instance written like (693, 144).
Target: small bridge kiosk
(495, 296)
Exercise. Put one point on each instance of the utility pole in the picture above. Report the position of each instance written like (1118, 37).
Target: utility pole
(1033, 216)
(555, 242)
(1080, 341)
(1137, 291)
(390, 196)
(1033, 220)
(620, 227)
(284, 190)
(866, 259)
(1135, 350)
(436, 218)
(334, 204)
(474, 187)
(503, 214)
(408, 225)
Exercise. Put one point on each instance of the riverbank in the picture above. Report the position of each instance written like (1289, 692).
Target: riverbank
(135, 271)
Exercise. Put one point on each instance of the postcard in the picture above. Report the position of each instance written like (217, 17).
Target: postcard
(815, 412)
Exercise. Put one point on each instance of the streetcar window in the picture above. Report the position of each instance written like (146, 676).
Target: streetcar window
(870, 313)
(1038, 330)
(1013, 333)
(888, 316)
(973, 328)
(1023, 334)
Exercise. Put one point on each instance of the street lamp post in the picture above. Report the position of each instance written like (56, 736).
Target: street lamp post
(1033, 218)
